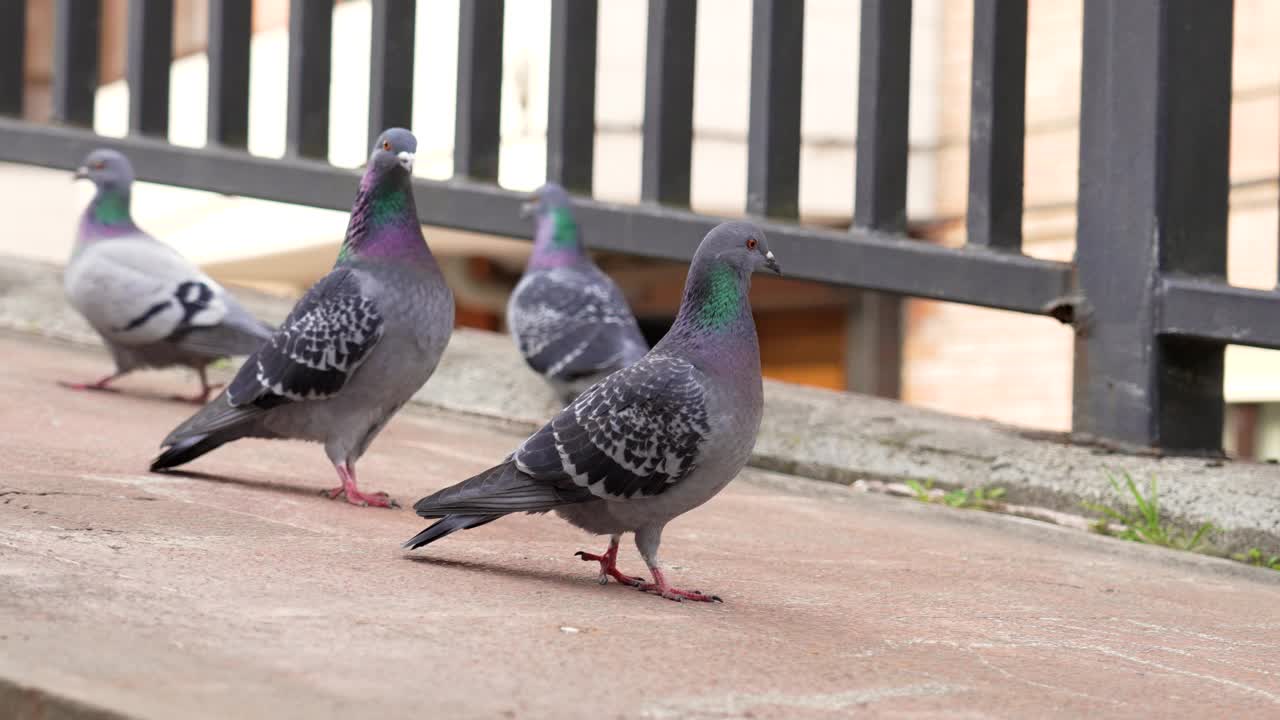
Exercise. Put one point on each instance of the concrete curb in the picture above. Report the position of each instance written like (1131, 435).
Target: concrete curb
(838, 437)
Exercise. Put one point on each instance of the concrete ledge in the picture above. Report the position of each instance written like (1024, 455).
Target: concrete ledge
(839, 437)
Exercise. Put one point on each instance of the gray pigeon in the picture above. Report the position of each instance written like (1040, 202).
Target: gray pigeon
(354, 349)
(151, 307)
(570, 321)
(649, 442)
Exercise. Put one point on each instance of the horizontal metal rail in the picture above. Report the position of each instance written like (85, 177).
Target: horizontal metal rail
(1215, 311)
(858, 258)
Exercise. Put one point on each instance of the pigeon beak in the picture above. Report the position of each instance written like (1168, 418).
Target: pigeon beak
(406, 160)
(770, 263)
(82, 173)
(529, 207)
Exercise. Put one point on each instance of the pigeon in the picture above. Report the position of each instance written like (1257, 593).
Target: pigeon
(151, 307)
(649, 442)
(570, 320)
(354, 349)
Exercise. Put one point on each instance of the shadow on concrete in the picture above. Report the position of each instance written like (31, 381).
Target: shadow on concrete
(307, 491)
(584, 581)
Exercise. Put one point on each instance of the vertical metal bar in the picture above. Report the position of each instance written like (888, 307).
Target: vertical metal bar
(150, 53)
(873, 344)
(773, 130)
(571, 95)
(477, 118)
(880, 181)
(1155, 123)
(13, 49)
(76, 25)
(310, 46)
(230, 28)
(884, 77)
(668, 101)
(391, 66)
(996, 124)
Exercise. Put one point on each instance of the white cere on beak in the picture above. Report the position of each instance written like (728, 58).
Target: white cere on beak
(406, 160)
(768, 255)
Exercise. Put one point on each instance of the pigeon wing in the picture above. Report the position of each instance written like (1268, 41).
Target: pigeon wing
(139, 291)
(317, 349)
(571, 322)
(634, 434)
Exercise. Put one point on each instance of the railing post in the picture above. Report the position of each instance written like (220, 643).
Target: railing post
(571, 94)
(230, 32)
(1154, 130)
(13, 50)
(76, 27)
(149, 55)
(668, 101)
(477, 126)
(310, 50)
(880, 186)
(391, 67)
(773, 130)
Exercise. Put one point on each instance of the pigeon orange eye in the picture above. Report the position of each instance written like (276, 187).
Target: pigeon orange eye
(99, 165)
(751, 243)
(386, 145)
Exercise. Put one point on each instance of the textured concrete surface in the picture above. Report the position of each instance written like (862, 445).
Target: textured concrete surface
(236, 591)
(809, 432)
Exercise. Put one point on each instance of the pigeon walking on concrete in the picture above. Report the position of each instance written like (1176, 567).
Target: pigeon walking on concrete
(570, 320)
(357, 346)
(649, 442)
(151, 307)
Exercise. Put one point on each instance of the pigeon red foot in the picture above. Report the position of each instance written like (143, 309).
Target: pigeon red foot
(609, 565)
(352, 493)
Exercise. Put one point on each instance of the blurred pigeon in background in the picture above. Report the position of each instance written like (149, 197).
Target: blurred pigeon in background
(354, 349)
(151, 307)
(570, 320)
(649, 442)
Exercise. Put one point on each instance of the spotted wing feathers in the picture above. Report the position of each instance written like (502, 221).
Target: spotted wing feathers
(573, 322)
(320, 345)
(636, 433)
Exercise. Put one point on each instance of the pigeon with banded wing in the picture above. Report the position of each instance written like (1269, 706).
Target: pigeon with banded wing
(651, 441)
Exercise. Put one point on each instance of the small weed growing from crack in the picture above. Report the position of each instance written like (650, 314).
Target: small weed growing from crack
(983, 498)
(1255, 557)
(1143, 523)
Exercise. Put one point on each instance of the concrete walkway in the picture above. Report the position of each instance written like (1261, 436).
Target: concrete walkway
(239, 592)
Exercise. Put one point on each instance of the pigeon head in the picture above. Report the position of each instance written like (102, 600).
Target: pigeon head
(107, 169)
(112, 176)
(546, 200)
(737, 245)
(715, 294)
(392, 157)
(557, 241)
(384, 220)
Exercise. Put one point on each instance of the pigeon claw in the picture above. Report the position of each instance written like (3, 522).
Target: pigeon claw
(357, 498)
(609, 568)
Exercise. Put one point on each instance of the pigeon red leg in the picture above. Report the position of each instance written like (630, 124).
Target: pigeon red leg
(609, 564)
(660, 586)
(348, 489)
(100, 384)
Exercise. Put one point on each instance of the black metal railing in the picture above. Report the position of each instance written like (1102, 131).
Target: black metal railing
(1147, 293)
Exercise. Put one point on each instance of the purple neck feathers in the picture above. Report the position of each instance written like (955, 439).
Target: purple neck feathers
(384, 222)
(715, 327)
(107, 216)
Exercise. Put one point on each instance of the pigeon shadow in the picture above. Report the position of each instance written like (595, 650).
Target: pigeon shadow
(133, 394)
(584, 581)
(268, 485)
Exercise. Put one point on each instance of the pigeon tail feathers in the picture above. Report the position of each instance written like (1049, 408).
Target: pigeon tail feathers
(446, 526)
